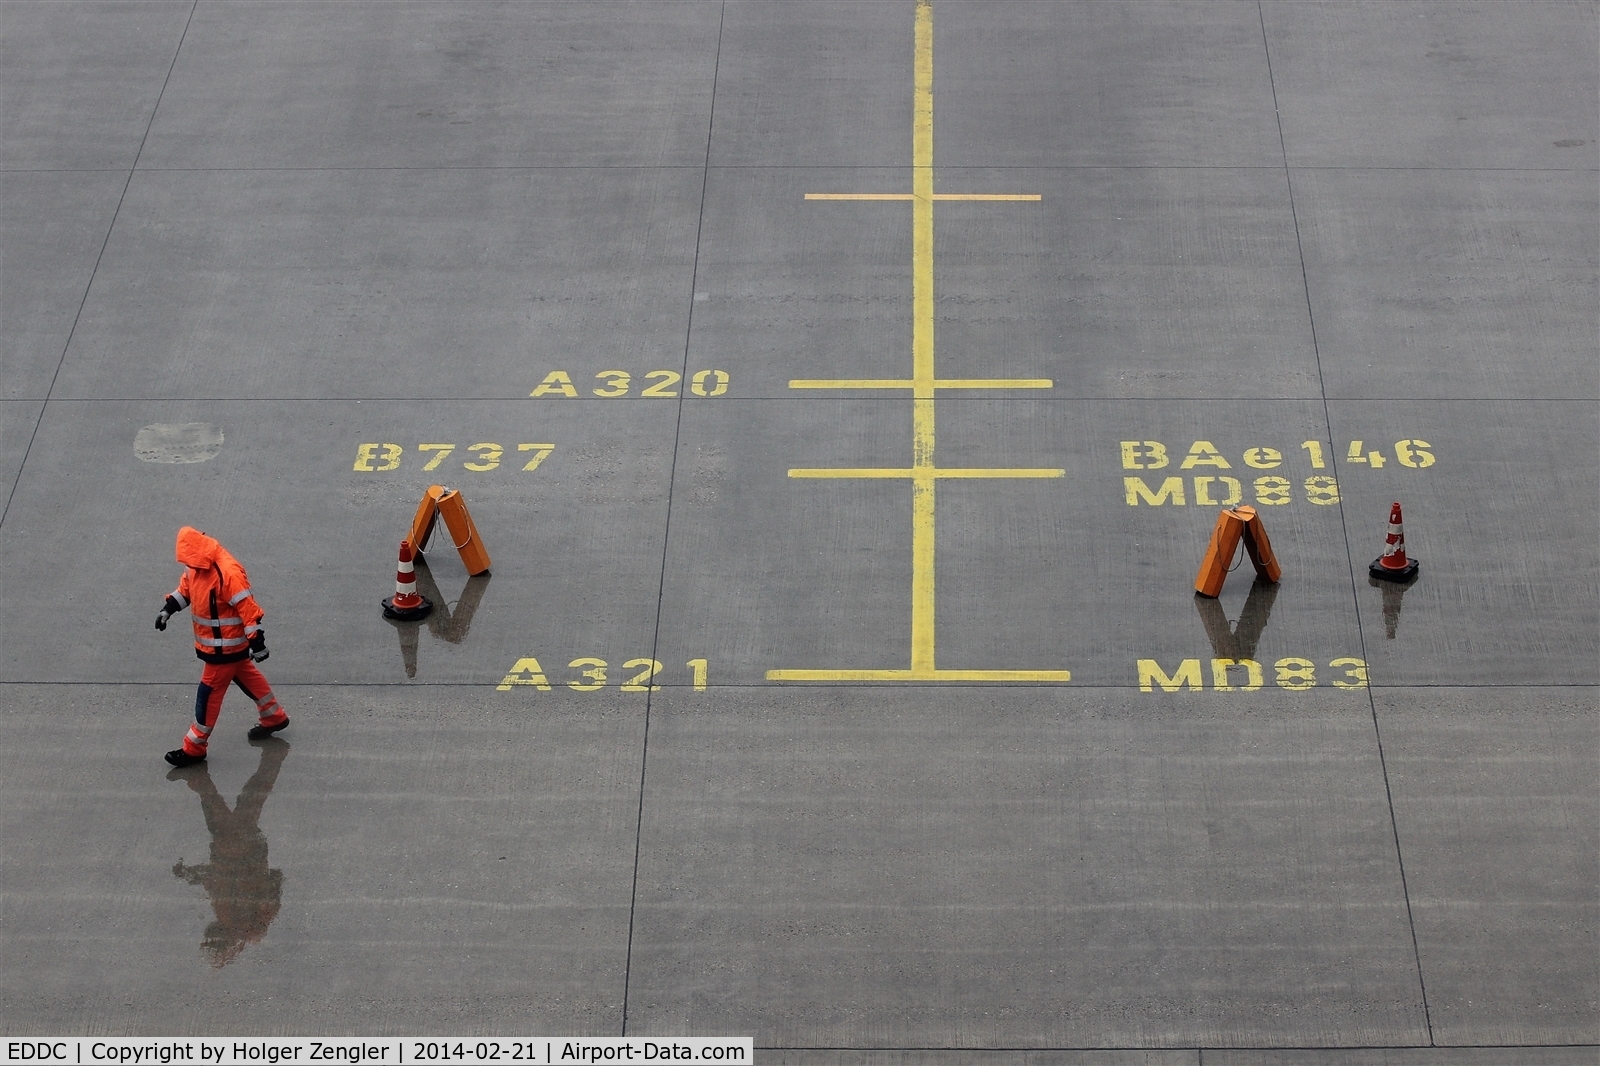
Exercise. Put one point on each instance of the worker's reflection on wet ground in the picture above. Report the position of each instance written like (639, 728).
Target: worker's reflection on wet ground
(245, 893)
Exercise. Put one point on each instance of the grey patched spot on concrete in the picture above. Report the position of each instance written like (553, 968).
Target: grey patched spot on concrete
(178, 442)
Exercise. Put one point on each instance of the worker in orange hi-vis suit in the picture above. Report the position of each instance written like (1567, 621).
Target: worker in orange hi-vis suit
(228, 638)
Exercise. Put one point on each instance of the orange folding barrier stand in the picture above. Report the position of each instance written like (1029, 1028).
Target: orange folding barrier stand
(1257, 544)
(1239, 523)
(441, 502)
(463, 532)
(427, 516)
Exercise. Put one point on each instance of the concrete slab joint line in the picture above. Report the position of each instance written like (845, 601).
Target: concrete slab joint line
(924, 386)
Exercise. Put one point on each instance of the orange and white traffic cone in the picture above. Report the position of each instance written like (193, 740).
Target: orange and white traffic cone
(407, 605)
(1394, 566)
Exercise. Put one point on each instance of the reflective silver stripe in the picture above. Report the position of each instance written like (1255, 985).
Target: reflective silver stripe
(212, 623)
(238, 597)
(180, 598)
(252, 629)
(225, 642)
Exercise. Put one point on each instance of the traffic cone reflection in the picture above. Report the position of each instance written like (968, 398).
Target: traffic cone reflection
(1393, 594)
(447, 623)
(1393, 564)
(407, 604)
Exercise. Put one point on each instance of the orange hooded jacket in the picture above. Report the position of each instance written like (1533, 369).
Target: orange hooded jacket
(216, 588)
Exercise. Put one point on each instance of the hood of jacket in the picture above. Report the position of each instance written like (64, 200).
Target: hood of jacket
(196, 549)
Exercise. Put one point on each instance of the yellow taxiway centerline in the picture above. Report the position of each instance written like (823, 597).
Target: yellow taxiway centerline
(923, 474)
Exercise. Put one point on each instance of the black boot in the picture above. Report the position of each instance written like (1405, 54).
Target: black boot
(262, 732)
(179, 757)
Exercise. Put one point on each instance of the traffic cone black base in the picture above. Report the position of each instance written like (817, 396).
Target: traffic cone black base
(407, 614)
(1394, 565)
(1384, 573)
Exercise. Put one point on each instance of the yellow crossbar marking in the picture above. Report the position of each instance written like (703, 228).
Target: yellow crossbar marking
(1031, 197)
(949, 471)
(850, 383)
(923, 473)
(993, 383)
(919, 675)
(938, 383)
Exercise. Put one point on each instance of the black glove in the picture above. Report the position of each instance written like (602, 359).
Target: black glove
(258, 646)
(168, 609)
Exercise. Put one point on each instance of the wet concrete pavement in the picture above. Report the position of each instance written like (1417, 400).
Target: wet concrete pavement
(1312, 258)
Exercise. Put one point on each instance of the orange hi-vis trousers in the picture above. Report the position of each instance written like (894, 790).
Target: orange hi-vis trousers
(214, 682)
